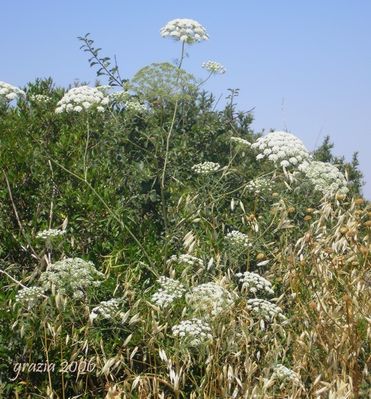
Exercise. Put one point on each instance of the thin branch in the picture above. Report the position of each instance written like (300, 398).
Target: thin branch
(17, 216)
(113, 214)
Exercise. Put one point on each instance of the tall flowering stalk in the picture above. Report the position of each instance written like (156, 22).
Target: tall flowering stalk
(190, 32)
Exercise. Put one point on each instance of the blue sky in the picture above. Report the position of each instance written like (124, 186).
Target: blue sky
(304, 65)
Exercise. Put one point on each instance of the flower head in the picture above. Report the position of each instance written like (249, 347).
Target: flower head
(259, 185)
(282, 373)
(193, 332)
(111, 309)
(185, 30)
(185, 259)
(50, 233)
(209, 299)
(237, 240)
(9, 92)
(264, 309)
(39, 98)
(29, 295)
(71, 276)
(213, 67)
(253, 282)
(282, 149)
(169, 291)
(241, 141)
(326, 178)
(82, 98)
(205, 168)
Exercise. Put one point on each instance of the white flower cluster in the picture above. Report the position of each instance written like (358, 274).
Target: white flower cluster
(135, 107)
(283, 373)
(169, 291)
(71, 275)
(209, 299)
(326, 178)
(259, 185)
(213, 67)
(81, 99)
(50, 233)
(205, 168)
(110, 309)
(265, 309)
(253, 282)
(185, 259)
(193, 331)
(241, 141)
(238, 240)
(9, 92)
(186, 30)
(282, 148)
(39, 98)
(29, 295)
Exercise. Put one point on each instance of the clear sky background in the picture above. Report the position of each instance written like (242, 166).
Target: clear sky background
(304, 65)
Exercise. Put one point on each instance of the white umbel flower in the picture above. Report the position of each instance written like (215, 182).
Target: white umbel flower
(213, 67)
(193, 332)
(205, 168)
(111, 309)
(253, 282)
(259, 185)
(326, 178)
(264, 309)
(71, 276)
(82, 98)
(238, 240)
(185, 259)
(184, 30)
(283, 149)
(241, 141)
(29, 295)
(282, 373)
(9, 92)
(50, 233)
(209, 299)
(39, 98)
(169, 291)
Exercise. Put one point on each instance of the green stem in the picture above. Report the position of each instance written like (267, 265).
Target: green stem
(163, 176)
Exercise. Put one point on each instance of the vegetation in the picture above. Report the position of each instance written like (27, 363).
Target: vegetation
(154, 246)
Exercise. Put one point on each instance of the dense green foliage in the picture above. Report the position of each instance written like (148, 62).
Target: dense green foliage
(124, 191)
